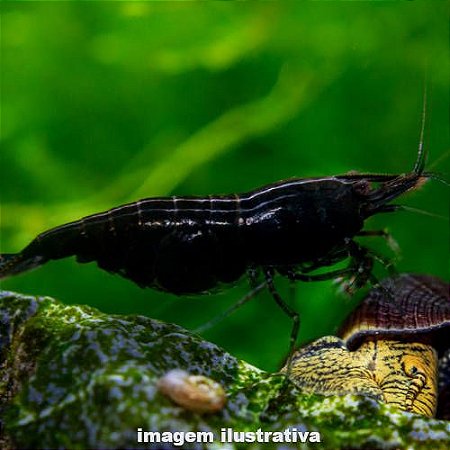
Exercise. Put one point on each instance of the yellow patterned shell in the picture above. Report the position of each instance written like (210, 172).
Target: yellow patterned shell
(388, 348)
(400, 373)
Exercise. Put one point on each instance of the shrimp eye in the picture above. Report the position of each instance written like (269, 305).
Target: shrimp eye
(362, 187)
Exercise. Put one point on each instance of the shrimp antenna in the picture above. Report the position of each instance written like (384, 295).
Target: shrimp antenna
(419, 165)
(423, 212)
(438, 177)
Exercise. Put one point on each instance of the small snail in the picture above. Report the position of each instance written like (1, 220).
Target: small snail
(195, 393)
(389, 348)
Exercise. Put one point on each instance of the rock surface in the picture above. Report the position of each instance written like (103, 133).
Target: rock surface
(73, 377)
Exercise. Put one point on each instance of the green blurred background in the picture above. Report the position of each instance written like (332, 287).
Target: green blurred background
(105, 103)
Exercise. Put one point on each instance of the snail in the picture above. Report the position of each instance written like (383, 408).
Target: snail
(196, 393)
(392, 347)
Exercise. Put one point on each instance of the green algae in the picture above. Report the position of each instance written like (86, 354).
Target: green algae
(73, 377)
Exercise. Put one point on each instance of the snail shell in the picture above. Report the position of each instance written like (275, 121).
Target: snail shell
(407, 307)
(327, 367)
(395, 372)
(414, 309)
(195, 393)
(389, 348)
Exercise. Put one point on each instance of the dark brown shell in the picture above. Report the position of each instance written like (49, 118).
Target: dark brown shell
(418, 310)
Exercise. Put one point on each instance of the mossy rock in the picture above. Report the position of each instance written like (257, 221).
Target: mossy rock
(73, 377)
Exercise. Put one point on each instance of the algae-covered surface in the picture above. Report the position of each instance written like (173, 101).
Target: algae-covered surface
(73, 377)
